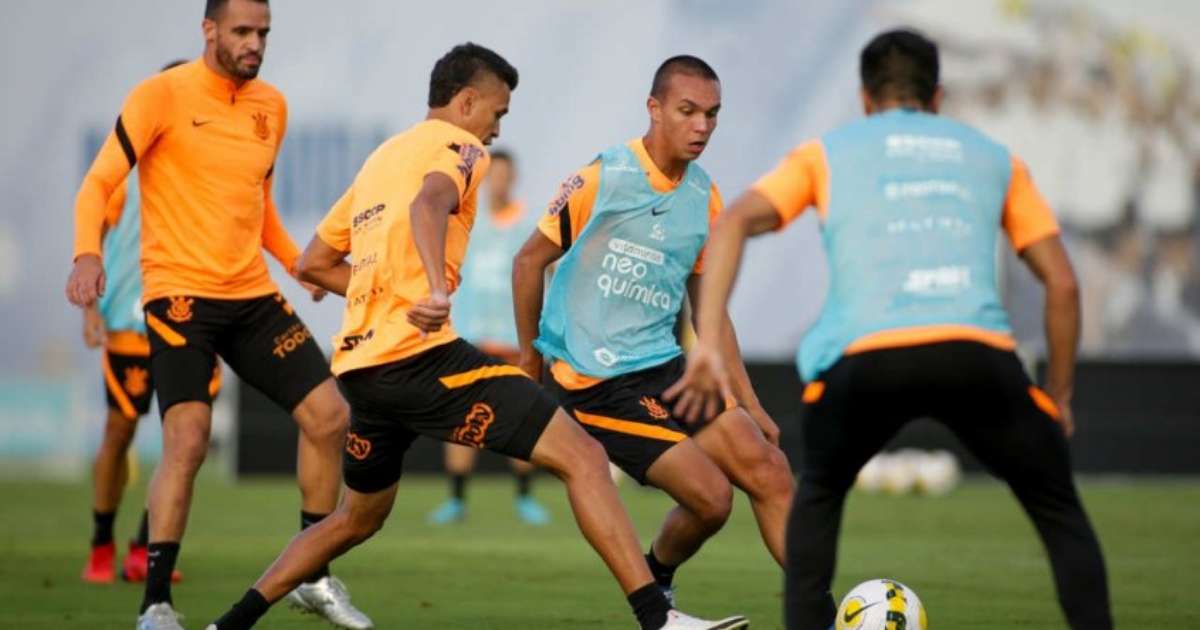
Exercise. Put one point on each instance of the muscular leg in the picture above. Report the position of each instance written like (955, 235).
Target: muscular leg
(323, 418)
(357, 518)
(704, 496)
(185, 444)
(571, 454)
(736, 445)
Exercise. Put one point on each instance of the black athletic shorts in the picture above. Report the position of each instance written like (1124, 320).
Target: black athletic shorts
(128, 386)
(979, 392)
(453, 393)
(628, 416)
(262, 339)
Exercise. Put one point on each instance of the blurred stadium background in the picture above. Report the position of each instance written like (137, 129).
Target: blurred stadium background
(1101, 98)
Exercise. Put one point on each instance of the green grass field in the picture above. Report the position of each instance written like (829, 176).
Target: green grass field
(972, 557)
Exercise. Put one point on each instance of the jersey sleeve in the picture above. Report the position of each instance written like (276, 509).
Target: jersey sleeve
(799, 181)
(334, 229)
(715, 206)
(138, 125)
(571, 208)
(1027, 217)
(275, 237)
(465, 163)
(116, 205)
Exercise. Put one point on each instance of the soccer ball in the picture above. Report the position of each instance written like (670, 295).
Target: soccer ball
(870, 477)
(881, 605)
(900, 472)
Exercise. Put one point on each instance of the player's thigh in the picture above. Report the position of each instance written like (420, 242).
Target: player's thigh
(183, 332)
(738, 447)
(128, 386)
(273, 351)
(686, 473)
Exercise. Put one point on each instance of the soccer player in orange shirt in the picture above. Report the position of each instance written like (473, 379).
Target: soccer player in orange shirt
(405, 223)
(912, 206)
(205, 136)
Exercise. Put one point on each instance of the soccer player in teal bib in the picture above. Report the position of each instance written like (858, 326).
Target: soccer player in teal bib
(628, 232)
(912, 206)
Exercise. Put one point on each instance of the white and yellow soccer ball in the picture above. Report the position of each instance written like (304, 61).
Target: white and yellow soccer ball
(938, 473)
(881, 605)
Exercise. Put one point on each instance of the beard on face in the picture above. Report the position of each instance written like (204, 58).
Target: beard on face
(233, 67)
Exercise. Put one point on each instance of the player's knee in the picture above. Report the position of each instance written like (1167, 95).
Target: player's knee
(328, 423)
(118, 435)
(771, 476)
(186, 448)
(714, 506)
(587, 460)
(361, 526)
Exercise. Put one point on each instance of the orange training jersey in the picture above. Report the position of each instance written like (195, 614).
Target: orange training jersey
(371, 223)
(205, 152)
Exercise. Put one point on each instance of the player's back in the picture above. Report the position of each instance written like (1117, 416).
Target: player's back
(388, 276)
(915, 207)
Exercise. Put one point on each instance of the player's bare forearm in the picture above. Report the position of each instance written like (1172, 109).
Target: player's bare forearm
(750, 215)
(529, 281)
(429, 215)
(324, 266)
(739, 379)
(1048, 260)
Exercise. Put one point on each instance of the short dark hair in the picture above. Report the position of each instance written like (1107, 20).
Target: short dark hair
(173, 64)
(213, 7)
(459, 67)
(502, 154)
(901, 64)
(680, 64)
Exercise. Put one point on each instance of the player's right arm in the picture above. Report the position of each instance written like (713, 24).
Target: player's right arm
(138, 126)
(776, 199)
(93, 327)
(556, 231)
(323, 262)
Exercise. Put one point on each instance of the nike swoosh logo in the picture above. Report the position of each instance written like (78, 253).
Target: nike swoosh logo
(658, 211)
(850, 617)
(199, 123)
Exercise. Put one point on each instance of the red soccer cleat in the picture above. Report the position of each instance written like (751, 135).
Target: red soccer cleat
(137, 565)
(100, 567)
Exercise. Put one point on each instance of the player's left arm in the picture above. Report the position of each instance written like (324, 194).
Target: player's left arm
(528, 289)
(739, 379)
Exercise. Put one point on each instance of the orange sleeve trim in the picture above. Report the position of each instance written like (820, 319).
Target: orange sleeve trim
(114, 388)
(630, 427)
(813, 392)
(569, 379)
(1027, 217)
(463, 379)
(1044, 402)
(214, 386)
(128, 343)
(921, 335)
(571, 208)
(801, 180)
(172, 338)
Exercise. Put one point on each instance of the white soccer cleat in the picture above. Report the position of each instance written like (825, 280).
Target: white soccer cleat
(159, 616)
(679, 621)
(329, 598)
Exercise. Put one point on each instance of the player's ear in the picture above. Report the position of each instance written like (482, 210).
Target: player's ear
(935, 103)
(468, 101)
(209, 28)
(867, 103)
(654, 108)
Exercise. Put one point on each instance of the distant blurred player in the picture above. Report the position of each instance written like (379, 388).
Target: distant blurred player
(115, 324)
(483, 317)
(911, 207)
(629, 231)
(405, 223)
(204, 137)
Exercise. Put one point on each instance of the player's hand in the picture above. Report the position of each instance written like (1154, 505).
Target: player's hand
(315, 291)
(86, 282)
(1066, 417)
(704, 387)
(431, 313)
(93, 327)
(531, 363)
(765, 423)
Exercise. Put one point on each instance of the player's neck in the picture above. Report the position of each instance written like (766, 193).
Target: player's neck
(669, 166)
(499, 203)
(214, 66)
(892, 104)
